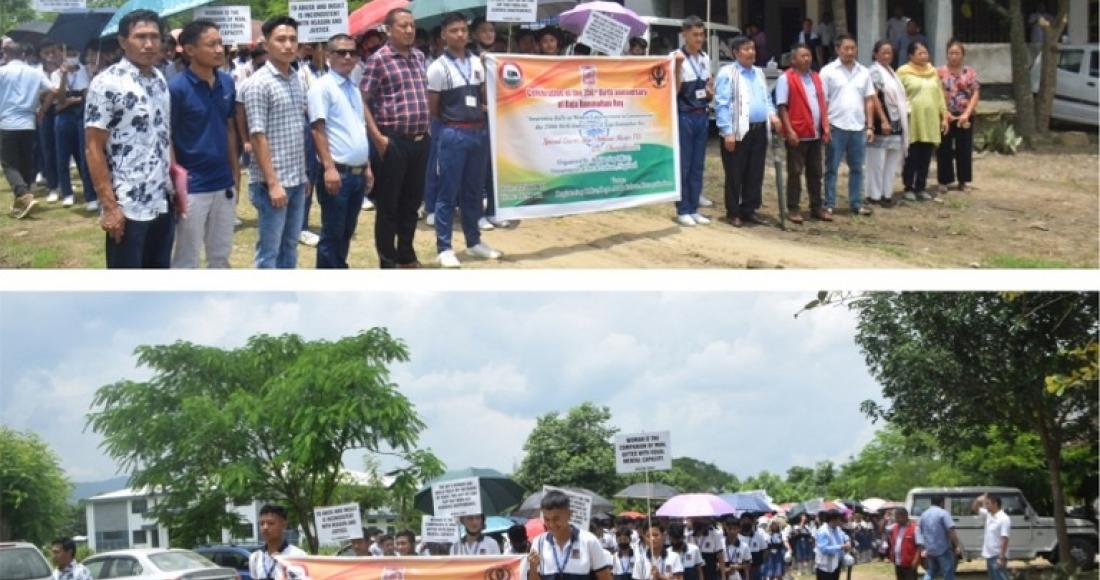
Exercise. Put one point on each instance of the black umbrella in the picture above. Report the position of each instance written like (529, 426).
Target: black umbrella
(30, 32)
(530, 508)
(79, 29)
(648, 490)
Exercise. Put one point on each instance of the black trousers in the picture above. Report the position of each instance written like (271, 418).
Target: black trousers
(914, 174)
(144, 244)
(904, 573)
(745, 172)
(834, 575)
(956, 154)
(397, 194)
(17, 159)
(804, 158)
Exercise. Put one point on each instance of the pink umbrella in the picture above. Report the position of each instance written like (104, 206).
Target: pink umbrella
(574, 20)
(695, 505)
(372, 14)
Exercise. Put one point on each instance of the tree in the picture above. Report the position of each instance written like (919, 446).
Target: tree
(14, 12)
(33, 489)
(892, 464)
(776, 487)
(271, 419)
(575, 450)
(954, 364)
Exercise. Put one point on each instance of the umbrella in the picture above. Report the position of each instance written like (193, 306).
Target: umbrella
(423, 9)
(648, 490)
(494, 524)
(372, 14)
(535, 527)
(498, 491)
(874, 504)
(695, 505)
(530, 507)
(633, 515)
(161, 7)
(574, 20)
(30, 32)
(851, 504)
(746, 502)
(814, 507)
(79, 28)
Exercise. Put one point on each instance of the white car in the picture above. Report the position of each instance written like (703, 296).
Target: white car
(156, 564)
(23, 561)
(1076, 93)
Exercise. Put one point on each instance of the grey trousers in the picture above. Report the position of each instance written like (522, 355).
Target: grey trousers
(209, 223)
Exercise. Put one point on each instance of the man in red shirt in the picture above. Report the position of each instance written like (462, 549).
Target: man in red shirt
(904, 545)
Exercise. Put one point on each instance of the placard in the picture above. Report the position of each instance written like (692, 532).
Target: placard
(457, 497)
(443, 529)
(640, 452)
(234, 22)
(59, 5)
(319, 20)
(515, 11)
(338, 523)
(580, 505)
(603, 33)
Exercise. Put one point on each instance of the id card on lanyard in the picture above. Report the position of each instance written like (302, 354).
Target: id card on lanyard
(700, 94)
(471, 100)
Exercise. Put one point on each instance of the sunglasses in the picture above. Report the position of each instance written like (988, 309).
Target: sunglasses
(343, 53)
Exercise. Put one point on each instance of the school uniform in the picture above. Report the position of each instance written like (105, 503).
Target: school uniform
(710, 544)
(738, 552)
(263, 565)
(668, 562)
(622, 566)
(692, 561)
(691, 107)
(580, 557)
(481, 546)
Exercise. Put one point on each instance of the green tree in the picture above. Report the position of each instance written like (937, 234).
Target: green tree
(953, 364)
(33, 489)
(14, 12)
(571, 450)
(893, 463)
(271, 419)
(774, 484)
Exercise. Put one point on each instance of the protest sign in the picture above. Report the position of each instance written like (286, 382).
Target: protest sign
(603, 33)
(338, 523)
(457, 497)
(319, 20)
(515, 11)
(234, 22)
(439, 529)
(639, 452)
(58, 5)
(424, 567)
(580, 504)
(574, 135)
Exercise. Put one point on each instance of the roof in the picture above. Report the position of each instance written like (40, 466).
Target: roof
(124, 493)
(139, 551)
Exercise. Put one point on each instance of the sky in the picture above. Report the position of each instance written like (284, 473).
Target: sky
(735, 378)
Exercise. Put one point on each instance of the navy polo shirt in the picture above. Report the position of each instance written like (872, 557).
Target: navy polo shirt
(199, 129)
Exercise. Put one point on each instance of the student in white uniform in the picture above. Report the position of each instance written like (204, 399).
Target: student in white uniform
(708, 538)
(564, 552)
(690, 556)
(622, 566)
(474, 543)
(655, 561)
(737, 554)
(262, 564)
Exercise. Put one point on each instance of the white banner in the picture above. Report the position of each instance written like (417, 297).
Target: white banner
(442, 529)
(457, 497)
(640, 452)
(579, 504)
(234, 22)
(338, 523)
(604, 34)
(58, 5)
(319, 20)
(515, 11)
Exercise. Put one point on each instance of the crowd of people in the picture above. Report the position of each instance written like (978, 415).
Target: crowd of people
(396, 122)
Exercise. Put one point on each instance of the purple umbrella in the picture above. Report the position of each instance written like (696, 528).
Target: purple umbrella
(574, 19)
(695, 505)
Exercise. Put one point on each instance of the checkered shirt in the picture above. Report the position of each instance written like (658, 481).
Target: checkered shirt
(395, 88)
(276, 107)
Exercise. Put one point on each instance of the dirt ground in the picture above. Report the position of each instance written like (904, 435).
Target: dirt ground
(1036, 209)
(974, 570)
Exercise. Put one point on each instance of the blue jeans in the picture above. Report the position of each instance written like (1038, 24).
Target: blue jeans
(339, 217)
(995, 571)
(431, 179)
(849, 145)
(277, 244)
(144, 244)
(461, 159)
(47, 148)
(70, 146)
(942, 565)
(693, 150)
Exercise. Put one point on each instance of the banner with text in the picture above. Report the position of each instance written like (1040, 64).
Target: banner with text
(318, 20)
(513, 11)
(575, 134)
(58, 5)
(427, 567)
(234, 22)
(439, 529)
(338, 523)
(457, 497)
(638, 452)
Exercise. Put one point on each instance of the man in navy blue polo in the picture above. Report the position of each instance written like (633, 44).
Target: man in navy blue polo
(205, 143)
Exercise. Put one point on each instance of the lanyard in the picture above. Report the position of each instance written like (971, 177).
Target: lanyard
(467, 550)
(625, 564)
(269, 571)
(469, 67)
(568, 550)
(691, 61)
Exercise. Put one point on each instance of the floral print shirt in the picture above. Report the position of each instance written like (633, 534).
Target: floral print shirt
(960, 87)
(134, 109)
(74, 571)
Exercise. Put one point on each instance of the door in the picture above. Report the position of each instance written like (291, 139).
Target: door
(968, 526)
(1023, 520)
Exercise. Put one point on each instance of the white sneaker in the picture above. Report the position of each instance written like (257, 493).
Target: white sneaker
(499, 223)
(704, 201)
(685, 220)
(484, 225)
(700, 219)
(430, 219)
(483, 251)
(67, 202)
(309, 238)
(367, 204)
(53, 196)
(448, 259)
(91, 206)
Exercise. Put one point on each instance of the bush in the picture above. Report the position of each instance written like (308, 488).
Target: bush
(998, 137)
(83, 551)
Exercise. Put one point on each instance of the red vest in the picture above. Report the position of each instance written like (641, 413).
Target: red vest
(908, 544)
(798, 107)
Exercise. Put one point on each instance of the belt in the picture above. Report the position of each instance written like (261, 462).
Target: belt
(354, 170)
(416, 137)
(459, 125)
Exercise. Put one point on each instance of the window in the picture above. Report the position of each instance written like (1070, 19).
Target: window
(138, 506)
(234, 560)
(242, 531)
(920, 503)
(1013, 505)
(960, 505)
(1070, 60)
(242, 502)
(95, 567)
(176, 561)
(1094, 65)
(139, 537)
(118, 540)
(123, 567)
(22, 564)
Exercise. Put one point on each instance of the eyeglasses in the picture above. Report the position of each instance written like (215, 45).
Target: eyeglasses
(342, 53)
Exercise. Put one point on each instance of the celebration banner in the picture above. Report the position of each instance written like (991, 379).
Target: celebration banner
(575, 135)
(427, 567)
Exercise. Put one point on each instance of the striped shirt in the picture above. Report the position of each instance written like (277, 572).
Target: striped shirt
(395, 88)
(276, 107)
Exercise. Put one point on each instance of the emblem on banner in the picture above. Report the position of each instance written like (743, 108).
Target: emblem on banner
(511, 75)
(594, 128)
(658, 76)
(498, 574)
(588, 75)
(393, 574)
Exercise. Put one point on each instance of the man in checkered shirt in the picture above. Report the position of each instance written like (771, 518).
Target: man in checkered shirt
(275, 102)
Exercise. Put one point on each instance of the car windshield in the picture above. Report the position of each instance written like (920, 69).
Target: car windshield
(177, 561)
(22, 564)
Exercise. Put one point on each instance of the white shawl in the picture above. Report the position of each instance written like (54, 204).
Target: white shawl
(894, 93)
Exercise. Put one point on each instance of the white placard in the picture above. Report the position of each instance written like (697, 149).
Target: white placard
(443, 529)
(603, 33)
(515, 11)
(640, 452)
(319, 20)
(338, 523)
(59, 5)
(579, 504)
(234, 22)
(457, 497)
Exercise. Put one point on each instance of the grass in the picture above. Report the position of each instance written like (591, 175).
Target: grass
(1011, 262)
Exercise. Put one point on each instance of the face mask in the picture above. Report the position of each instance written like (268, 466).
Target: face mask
(624, 547)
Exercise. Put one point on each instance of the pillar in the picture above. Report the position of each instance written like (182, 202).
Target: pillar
(1078, 26)
(939, 27)
(871, 18)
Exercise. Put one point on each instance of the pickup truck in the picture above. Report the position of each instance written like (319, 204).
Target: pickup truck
(1032, 535)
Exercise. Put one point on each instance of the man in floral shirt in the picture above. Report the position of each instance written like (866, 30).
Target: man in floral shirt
(63, 551)
(128, 148)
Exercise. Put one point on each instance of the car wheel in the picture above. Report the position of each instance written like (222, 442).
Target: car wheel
(1083, 552)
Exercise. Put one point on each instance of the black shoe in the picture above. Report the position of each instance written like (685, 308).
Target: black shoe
(888, 203)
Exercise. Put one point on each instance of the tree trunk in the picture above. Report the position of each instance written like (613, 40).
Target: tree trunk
(840, 16)
(1052, 449)
(1048, 79)
(1021, 73)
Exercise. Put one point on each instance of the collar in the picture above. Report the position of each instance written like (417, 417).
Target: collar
(339, 78)
(275, 71)
(72, 564)
(390, 50)
(195, 80)
(480, 536)
(574, 534)
(746, 69)
(466, 54)
(125, 65)
(282, 547)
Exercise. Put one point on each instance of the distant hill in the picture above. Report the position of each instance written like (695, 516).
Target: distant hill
(88, 489)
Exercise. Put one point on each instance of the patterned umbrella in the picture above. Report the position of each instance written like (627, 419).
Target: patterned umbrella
(695, 505)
